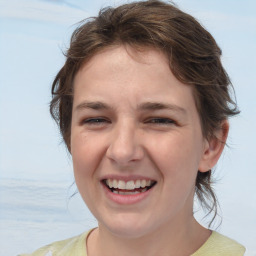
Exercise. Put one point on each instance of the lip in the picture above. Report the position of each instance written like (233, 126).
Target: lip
(126, 199)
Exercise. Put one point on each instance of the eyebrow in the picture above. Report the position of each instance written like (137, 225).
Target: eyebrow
(98, 105)
(160, 106)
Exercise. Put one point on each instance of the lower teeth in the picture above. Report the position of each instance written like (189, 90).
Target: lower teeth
(130, 192)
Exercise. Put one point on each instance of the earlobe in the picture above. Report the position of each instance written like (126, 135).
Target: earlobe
(214, 147)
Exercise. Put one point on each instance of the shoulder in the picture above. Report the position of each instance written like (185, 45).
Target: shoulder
(220, 245)
(72, 246)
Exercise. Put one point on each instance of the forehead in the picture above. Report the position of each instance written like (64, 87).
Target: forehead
(128, 73)
(125, 56)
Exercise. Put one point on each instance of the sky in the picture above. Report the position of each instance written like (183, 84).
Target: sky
(33, 35)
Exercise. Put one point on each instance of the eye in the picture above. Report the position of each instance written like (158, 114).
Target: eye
(95, 121)
(161, 121)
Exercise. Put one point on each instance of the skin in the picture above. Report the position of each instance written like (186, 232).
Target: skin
(117, 129)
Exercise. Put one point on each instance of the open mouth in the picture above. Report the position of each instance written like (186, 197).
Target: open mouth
(130, 187)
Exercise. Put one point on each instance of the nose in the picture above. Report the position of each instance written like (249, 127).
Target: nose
(124, 147)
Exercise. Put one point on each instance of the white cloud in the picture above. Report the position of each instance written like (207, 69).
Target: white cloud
(58, 12)
(225, 20)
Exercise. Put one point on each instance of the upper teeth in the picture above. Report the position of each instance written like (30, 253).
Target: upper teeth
(128, 185)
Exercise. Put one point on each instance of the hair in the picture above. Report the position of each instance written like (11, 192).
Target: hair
(192, 52)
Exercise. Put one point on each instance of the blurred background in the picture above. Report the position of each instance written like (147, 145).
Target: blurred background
(36, 203)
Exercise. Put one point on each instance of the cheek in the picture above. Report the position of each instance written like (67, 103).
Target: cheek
(86, 154)
(176, 155)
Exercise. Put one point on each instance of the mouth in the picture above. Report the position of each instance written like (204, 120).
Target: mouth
(131, 187)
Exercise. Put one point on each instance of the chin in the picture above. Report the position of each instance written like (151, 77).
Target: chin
(127, 227)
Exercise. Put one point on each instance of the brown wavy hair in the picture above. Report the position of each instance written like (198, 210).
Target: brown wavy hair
(194, 59)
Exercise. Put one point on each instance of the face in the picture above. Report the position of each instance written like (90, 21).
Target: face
(136, 142)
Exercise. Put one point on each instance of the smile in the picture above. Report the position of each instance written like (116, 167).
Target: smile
(130, 187)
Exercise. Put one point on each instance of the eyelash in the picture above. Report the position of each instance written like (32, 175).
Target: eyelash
(161, 121)
(95, 121)
(157, 121)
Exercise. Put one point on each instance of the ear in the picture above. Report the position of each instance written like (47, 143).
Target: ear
(213, 148)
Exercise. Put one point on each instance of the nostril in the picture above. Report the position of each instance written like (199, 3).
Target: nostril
(124, 154)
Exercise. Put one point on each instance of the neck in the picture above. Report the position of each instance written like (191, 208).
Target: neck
(174, 239)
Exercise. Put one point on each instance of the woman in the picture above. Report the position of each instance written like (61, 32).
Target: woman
(143, 103)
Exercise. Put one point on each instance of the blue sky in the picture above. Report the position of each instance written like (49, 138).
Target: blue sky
(33, 34)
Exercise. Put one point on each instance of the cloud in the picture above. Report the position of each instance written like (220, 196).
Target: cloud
(224, 21)
(55, 11)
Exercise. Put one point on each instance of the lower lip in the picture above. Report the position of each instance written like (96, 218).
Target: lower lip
(126, 199)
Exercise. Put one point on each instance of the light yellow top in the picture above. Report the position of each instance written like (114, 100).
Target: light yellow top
(216, 245)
